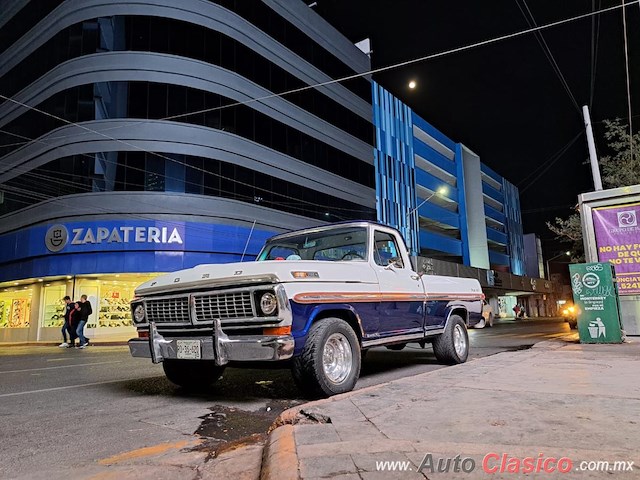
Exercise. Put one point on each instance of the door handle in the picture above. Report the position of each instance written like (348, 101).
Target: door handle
(415, 277)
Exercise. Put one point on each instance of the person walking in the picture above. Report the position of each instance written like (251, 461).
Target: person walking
(522, 313)
(66, 328)
(85, 311)
(516, 310)
(74, 318)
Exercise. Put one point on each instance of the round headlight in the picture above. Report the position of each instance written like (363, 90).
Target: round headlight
(138, 313)
(268, 303)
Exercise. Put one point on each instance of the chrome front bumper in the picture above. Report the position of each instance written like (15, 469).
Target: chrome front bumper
(218, 347)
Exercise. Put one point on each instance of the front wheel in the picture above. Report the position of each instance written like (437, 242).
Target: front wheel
(452, 346)
(330, 361)
(192, 374)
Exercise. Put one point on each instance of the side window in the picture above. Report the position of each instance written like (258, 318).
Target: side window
(386, 250)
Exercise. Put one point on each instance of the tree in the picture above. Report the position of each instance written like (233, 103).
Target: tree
(619, 169)
(570, 232)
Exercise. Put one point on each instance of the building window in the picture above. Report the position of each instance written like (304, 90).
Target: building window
(15, 308)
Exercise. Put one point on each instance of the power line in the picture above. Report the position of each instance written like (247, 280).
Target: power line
(394, 66)
(551, 159)
(546, 209)
(419, 59)
(297, 204)
(559, 155)
(547, 51)
(626, 65)
(595, 40)
(165, 157)
(333, 81)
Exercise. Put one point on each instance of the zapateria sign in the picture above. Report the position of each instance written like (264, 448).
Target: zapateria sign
(59, 236)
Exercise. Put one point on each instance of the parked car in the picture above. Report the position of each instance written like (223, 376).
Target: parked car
(487, 314)
(570, 315)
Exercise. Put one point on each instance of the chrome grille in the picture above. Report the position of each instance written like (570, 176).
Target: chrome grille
(168, 310)
(224, 306)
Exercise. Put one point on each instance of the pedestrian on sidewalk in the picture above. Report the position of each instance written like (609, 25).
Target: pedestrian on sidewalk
(516, 310)
(74, 316)
(66, 329)
(85, 311)
(522, 312)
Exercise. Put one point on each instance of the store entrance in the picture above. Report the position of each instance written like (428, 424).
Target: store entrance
(110, 296)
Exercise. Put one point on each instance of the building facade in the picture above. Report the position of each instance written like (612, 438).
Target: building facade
(147, 137)
(448, 204)
(138, 138)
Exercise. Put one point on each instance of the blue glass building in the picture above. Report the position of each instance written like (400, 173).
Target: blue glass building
(448, 204)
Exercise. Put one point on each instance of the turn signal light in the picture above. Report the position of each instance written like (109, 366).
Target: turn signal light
(305, 274)
(144, 334)
(276, 331)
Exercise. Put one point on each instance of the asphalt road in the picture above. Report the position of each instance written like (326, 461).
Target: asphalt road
(61, 410)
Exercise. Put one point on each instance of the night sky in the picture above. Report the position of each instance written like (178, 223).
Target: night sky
(504, 101)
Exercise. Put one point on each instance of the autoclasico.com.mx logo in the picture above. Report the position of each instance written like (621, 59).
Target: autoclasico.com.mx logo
(494, 462)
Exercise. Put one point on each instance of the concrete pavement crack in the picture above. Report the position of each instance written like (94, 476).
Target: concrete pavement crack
(368, 420)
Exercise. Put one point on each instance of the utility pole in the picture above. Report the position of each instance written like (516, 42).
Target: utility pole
(595, 169)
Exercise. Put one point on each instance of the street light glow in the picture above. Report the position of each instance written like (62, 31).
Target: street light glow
(442, 190)
(412, 84)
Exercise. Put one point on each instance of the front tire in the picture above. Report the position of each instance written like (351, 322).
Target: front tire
(330, 361)
(452, 346)
(192, 374)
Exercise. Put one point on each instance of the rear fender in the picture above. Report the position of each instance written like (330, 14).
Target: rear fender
(459, 310)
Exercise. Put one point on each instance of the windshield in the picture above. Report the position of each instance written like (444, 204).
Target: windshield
(333, 245)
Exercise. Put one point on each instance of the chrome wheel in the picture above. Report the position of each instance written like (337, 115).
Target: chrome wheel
(459, 340)
(337, 359)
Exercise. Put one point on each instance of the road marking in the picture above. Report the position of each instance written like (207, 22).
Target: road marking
(60, 366)
(149, 451)
(65, 388)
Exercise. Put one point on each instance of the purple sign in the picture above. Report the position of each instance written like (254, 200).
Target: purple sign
(618, 240)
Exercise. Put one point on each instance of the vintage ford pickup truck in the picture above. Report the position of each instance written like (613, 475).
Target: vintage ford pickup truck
(317, 299)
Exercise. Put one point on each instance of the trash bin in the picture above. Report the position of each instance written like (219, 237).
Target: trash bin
(595, 295)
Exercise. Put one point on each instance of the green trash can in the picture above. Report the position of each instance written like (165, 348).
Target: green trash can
(595, 294)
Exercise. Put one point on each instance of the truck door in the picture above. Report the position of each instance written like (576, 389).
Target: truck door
(402, 293)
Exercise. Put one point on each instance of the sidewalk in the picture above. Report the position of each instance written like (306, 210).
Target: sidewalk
(558, 399)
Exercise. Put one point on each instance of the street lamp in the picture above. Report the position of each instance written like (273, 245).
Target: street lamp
(567, 253)
(412, 84)
(440, 191)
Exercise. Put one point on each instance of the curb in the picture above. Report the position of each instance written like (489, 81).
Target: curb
(280, 452)
(280, 457)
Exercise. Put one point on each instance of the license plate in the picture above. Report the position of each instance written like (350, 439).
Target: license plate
(188, 349)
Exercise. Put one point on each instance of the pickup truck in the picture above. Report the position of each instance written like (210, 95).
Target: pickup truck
(316, 299)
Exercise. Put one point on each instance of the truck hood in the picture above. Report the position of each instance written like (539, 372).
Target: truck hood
(273, 271)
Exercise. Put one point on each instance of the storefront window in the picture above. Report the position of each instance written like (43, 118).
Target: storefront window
(54, 306)
(110, 296)
(15, 308)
